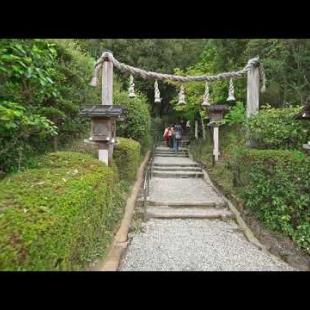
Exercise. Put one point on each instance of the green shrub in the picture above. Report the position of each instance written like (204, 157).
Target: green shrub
(137, 125)
(126, 155)
(278, 129)
(276, 186)
(236, 115)
(60, 215)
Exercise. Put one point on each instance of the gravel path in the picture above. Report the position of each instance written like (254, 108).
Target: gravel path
(191, 244)
(195, 245)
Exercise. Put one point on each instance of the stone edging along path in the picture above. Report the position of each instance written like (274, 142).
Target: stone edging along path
(120, 243)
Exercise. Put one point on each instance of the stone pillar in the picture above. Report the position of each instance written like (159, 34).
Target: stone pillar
(105, 150)
(196, 129)
(107, 80)
(252, 106)
(216, 152)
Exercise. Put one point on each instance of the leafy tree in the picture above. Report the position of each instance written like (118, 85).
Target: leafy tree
(42, 82)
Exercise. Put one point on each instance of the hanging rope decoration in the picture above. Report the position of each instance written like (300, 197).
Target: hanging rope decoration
(231, 91)
(94, 78)
(131, 89)
(206, 99)
(157, 93)
(181, 96)
(160, 76)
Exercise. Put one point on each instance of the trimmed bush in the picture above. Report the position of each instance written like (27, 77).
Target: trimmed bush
(127, 156)
(59, 216)
(276, 186)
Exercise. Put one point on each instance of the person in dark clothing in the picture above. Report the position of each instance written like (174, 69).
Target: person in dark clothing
(177, 136)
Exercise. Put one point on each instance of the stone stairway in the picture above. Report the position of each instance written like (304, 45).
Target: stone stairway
(178, 190)
(188, 226)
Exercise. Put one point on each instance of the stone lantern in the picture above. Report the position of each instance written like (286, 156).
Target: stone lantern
(103, 127)
(217, 111)
(216, 115)
(103, 117)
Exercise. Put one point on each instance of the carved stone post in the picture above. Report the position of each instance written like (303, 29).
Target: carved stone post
(106, 149)
(252, 105)
(196, 129)
(216, 151)
(252, 91)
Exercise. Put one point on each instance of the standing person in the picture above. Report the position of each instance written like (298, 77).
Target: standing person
(178, 136)
(170, 138)
(166, 135)
(173, 139)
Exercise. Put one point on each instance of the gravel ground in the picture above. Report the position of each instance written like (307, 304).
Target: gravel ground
(195, 245)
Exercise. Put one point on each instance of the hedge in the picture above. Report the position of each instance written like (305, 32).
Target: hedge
(276, 186)
(60, 215)
(127, 155)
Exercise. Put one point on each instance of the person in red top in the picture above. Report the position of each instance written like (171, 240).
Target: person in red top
(167, 136)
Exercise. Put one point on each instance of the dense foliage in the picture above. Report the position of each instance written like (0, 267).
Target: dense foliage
(273, 184)
(276, 186)
(42, 85)
(127, 155)
(278, 128)
(137, 124)
(286, 63)
(59, 216)
(236, 115)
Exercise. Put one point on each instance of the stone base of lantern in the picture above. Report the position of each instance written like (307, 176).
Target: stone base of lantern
(105, 150)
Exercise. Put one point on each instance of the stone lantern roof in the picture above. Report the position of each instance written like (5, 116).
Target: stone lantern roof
(105, 111)
(218, 108)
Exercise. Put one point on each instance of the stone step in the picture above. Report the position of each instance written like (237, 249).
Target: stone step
(178, 171)
(171, 155)
(170, 151)
(167, 212)
(193, 204)
(175, 174)
(175, 165)
(166, 148)
(159, 168)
